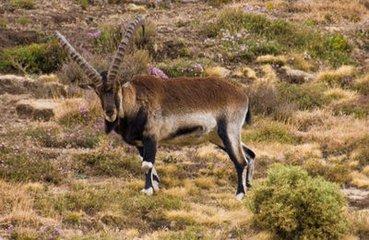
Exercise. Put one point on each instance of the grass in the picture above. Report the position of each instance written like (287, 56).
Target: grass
(105, 163)
(26, 167)
(279, 35)
(23, 20)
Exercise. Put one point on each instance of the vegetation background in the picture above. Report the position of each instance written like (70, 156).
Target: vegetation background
(305, 64)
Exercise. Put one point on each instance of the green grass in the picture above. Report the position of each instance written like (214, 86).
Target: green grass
(110, 163)
(23, 20)
(333, 48)
(24, 167)
(75, 138)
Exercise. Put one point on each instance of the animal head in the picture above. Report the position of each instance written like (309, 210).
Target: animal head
(106, 84)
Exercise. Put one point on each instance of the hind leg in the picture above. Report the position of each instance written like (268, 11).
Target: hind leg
(250, 155)
(230, 136)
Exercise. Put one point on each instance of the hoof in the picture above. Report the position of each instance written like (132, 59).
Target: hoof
(240, 196)
(148, 192)
(146, 166)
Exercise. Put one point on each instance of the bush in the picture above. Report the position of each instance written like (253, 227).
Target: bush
(25, 4)
(270, 132)
(290, 36)
(306, 96)
(34, 58)
(293, 205)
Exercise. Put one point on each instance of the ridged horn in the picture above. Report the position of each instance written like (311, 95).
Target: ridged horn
(90, 71)
(122, 48)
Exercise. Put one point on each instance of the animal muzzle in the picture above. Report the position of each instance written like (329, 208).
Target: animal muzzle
(111, 115)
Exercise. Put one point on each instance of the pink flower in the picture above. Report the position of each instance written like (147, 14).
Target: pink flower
(156, 72)
(94, 34)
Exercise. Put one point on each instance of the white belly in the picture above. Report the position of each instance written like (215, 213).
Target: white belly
(188, 129)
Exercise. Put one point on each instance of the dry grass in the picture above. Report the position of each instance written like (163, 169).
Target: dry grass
(339, 77)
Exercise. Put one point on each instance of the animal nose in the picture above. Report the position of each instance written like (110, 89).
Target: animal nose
(110, 112)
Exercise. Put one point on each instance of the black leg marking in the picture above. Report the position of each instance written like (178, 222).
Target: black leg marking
(223, 134)
(250, 168)
(148, 152)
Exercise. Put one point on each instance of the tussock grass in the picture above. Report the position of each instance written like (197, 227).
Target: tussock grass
(339, 77)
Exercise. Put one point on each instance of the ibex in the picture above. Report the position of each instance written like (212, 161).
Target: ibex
(148, 110)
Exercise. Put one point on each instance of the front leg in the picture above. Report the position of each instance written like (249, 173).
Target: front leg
(153, 176)
(149, 153)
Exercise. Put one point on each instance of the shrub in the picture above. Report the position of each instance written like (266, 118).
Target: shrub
(34, 58)
(23, 20)
(270, 132)
(293, 205)
(306, 96)
(25, 4)
(83, 3)
(331, 47)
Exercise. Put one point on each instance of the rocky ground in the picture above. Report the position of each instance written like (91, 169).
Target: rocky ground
(61, 177)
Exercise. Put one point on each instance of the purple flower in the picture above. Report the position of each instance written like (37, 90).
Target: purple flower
(94, 34)
(197, 68)
(156, 72)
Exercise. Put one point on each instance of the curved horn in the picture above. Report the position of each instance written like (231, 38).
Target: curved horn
(118, 58)
(86, 67)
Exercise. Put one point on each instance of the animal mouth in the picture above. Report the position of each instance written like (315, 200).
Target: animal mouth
(112, 117)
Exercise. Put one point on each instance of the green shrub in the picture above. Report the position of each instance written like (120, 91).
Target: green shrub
(331, 47)
(83, 3)
(271, 132)
(293, 205)
(306, 96)
(34, 58)
(25, 4)
(23, 20)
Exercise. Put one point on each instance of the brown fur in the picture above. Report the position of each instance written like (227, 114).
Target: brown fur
(183, 95)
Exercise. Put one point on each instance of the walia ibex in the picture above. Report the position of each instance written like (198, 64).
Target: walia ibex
(148, 110)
